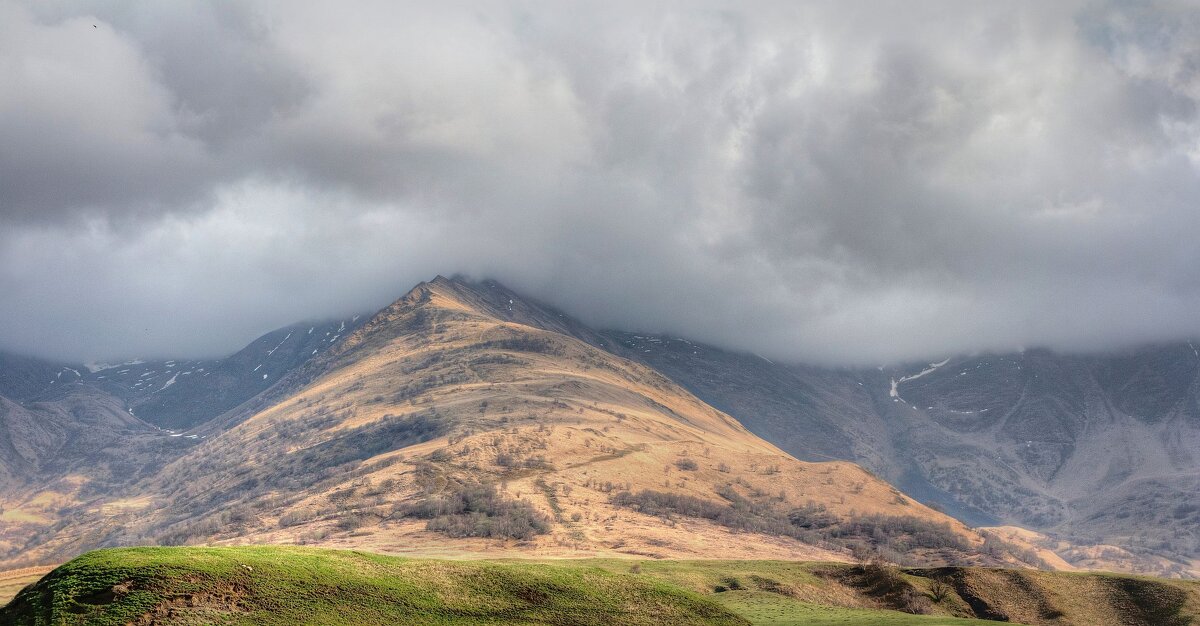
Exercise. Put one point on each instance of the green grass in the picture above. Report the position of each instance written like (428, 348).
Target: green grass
(272, 585)
(704, 576)
(276, 585)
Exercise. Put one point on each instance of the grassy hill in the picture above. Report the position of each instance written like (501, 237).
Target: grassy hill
(290, 585)
(786, 592)
(310, 586)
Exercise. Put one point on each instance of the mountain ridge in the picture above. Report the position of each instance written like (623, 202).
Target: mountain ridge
(463, 392)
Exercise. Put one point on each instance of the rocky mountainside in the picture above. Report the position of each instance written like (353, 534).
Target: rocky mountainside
(61, 450)
(1092, 449)
(182, 394)
(74, 437)
(465, 419)
(23, 378)
(178, 394)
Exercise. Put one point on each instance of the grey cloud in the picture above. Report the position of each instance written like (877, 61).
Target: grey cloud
(842, 182)
(83, 122)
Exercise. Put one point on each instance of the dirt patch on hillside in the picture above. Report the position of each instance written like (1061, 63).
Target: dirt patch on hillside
(202, 607)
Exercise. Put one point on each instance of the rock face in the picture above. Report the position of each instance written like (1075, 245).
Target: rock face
(1098, 449)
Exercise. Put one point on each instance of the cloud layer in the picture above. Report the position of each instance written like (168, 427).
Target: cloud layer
(852, 183)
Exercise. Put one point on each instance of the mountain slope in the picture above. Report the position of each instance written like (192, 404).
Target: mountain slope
(75, 438)
(179, 394)
(23, 378)
(183, 394)
(462, 417)
(64, 450)
(1096, 449)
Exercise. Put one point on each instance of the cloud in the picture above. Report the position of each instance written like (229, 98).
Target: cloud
(834, 182)
(85, 124)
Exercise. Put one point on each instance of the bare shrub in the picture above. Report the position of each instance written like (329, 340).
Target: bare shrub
(686, 464)
(939, 589)
(477, 510)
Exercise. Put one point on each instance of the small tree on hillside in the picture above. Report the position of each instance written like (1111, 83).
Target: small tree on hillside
(939, 589)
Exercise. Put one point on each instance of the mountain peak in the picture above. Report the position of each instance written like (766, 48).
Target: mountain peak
(491, 299)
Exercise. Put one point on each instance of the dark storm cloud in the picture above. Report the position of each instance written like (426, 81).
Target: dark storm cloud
(843, 182)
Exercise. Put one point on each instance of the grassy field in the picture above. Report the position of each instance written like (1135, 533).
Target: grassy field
(290, 585)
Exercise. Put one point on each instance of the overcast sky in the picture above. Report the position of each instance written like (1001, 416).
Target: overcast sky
(842, 182)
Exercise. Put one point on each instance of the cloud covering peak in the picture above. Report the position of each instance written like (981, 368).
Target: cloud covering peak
(847, 182)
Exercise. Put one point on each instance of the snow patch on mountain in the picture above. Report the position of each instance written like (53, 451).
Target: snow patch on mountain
(894, 392)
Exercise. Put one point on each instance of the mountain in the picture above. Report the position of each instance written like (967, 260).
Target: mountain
(66, 448)
(179, 393)
(466, 419)
(74, 437)
(1095, 450)
(182, 394)
(23, 378)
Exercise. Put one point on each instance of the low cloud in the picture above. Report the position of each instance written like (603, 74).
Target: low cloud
(852, 183)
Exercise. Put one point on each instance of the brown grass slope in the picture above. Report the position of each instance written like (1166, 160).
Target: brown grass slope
(464, 419)
(1009, 595)
(1074, 599)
